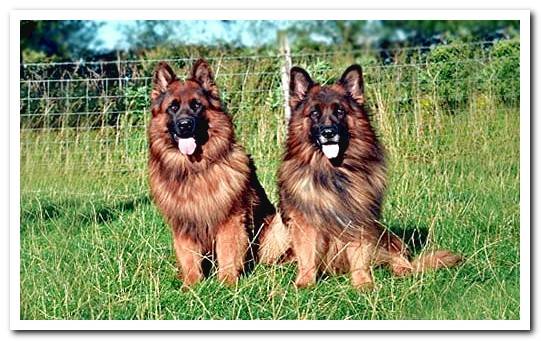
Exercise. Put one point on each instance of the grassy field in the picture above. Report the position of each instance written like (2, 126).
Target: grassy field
(93, 246)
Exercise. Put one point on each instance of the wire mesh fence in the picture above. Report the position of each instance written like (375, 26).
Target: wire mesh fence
(83, 124)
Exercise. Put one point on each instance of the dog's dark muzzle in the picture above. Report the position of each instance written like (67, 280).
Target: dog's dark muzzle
(328, 134)
(185, 126)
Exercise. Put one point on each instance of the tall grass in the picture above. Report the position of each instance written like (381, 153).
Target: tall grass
(94, 247)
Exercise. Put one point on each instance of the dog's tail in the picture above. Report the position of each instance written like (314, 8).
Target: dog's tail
(429, 260)
(394, 252)
(275, 242)
(435, 260)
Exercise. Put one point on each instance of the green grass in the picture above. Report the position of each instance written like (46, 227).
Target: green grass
(93, 246)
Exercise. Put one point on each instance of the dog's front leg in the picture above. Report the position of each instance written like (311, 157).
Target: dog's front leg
(304, 238)
(231, 247)
(189, 256)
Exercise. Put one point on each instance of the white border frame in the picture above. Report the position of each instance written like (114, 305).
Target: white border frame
(523, 324)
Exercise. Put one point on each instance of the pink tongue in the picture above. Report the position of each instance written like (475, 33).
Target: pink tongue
(330, 150)
(187, 146)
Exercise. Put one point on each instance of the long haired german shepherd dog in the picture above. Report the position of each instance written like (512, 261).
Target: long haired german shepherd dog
(201, 180)
(332, 182)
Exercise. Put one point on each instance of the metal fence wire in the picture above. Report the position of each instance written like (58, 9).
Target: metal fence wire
(83, 124)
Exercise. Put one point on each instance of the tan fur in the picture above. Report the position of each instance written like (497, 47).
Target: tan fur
(211, 199)
(231, 245)
(189, 255)
(275, 242)
(307, 248)
(435, 260)
(332, 209)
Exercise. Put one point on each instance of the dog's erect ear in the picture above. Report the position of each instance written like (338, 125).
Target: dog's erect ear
(202, 74)
(299, 85)
(163, 76)
(352, 81)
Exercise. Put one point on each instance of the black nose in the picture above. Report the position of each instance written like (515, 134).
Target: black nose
(186, 125)
(328, 131)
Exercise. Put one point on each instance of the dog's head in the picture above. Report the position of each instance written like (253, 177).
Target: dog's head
(185, 107)
(328, 111)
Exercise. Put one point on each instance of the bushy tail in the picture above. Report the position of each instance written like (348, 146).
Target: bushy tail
(393, 251)
(435, 260)
(275, 243)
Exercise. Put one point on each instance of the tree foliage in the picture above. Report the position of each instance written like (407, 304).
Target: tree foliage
(74, 39)
(62, 39)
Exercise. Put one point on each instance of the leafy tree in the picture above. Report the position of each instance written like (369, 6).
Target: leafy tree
(65, 39)
(148, 33)
(422, 31)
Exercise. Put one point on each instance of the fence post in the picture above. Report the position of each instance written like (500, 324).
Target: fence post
(286, 66)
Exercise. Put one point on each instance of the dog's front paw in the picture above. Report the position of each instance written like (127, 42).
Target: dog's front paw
(189, 280)
(362, 280)
(364, 286)
(227, 278)
(305, 281)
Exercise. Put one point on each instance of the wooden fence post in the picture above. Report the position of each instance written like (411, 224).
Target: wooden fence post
(286, 66)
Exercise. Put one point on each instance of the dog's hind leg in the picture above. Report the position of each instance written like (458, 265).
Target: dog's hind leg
(392, 251)
(275, 242)
(397, 260)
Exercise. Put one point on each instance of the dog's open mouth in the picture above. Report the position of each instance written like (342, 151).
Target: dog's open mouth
(330, 150)
(186, 145)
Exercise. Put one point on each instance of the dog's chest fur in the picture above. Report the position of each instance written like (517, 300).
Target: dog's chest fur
(205, 198)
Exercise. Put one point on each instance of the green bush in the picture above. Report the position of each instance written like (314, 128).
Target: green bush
(448, 73)
(505, 71)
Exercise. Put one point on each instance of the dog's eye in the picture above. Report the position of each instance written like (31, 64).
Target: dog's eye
(174, 106)
(315, 114)
(195, 104)
(339, 112)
